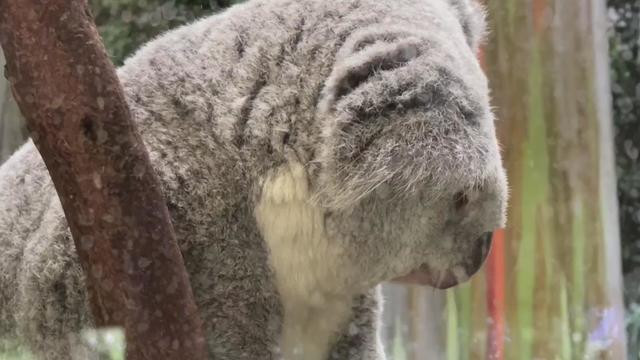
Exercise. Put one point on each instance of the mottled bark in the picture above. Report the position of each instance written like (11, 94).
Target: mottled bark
(76, 112)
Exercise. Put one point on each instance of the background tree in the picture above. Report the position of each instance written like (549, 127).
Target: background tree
(625, 73)
(13, 131)
(553, 287)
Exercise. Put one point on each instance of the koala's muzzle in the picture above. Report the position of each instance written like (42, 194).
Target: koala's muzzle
(448, 278)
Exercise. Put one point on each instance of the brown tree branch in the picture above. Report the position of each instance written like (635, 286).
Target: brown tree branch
(69, 92)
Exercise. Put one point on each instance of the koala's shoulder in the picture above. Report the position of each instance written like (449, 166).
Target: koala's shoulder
(28, 201)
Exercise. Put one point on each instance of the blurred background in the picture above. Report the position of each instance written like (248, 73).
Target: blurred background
(563, 280)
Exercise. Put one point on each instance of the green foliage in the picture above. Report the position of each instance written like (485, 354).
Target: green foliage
(127, 24)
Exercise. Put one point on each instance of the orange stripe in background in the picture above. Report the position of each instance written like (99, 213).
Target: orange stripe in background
(539, 13)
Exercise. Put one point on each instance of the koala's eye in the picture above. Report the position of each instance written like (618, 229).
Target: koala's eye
(460, 200)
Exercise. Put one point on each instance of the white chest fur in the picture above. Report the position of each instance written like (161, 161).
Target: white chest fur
(308, 266)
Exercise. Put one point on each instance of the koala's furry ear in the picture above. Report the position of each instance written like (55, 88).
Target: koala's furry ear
(472, 17)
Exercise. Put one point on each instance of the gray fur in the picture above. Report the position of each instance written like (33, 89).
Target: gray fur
(383, 104)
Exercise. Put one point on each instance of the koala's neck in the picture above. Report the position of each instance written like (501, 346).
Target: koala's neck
(309, 268)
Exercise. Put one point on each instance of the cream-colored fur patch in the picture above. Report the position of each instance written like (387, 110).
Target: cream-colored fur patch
(309, 272)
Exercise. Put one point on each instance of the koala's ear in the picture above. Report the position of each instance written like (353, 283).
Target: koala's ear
(363, 59)
(472, 16)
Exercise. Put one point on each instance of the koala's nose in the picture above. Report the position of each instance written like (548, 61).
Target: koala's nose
(480, 252)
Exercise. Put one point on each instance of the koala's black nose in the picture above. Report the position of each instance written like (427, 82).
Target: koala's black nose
(485, 239)
(479, 254)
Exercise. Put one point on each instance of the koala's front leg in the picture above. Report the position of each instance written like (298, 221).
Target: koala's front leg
(360, 340)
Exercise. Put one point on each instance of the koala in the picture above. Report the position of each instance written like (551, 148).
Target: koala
(309, 151)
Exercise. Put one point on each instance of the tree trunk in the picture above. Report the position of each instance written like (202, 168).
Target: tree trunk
(75, 109)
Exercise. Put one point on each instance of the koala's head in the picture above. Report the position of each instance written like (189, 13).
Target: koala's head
(409, 169)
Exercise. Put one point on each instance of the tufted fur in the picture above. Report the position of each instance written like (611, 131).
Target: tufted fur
(309, 150)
